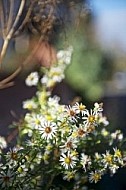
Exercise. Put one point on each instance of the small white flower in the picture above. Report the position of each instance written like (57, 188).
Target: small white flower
(60, 54)
(29, 104)
(32, 79)
(69, 144)
(71, 113)
(80, 108)
(113, 168)
(3, 143)
(36, 121)
(85, 161)
(120, 137)
(117, 153)
(97, 156)
(6, 178)
(104, 132)
(22, 170)
(48, 130)
(68, 160)
(94, 176)
(12, 157)
(69, 175)
(90, 118)
(107, 159)
(98, 107)
(102, 119)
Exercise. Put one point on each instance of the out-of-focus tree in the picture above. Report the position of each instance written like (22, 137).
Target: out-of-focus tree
(87, 75)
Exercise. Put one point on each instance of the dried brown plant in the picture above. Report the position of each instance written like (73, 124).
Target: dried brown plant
(35, 16)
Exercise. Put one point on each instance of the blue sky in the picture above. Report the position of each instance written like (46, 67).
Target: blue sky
(102, 5)
(110, 22)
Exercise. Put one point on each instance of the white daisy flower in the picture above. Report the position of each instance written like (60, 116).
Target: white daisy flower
(22, 170)
(6, 178)
(71, 113)
(56, 73)
(120, 137)
(32, 79)
(80, 131)
(68, 160)
(97, 157)
(102, 119)
(80, 108)
(65, 56)
(44, 79)
(36, 121)
(53, 101)
(117, 153)
(29, 104)
(104, 132)
(48, 130)
(90, 118)
(60, 54)
(94, 176)
(69, 175)
(98, 107)
(107, 159)
(113, 168)
(69, 144)
(85, 160)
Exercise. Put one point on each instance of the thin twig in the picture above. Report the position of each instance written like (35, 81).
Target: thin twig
(10, 18)
(26, 19)
(10, 34)
(9, 84)
(2, 19)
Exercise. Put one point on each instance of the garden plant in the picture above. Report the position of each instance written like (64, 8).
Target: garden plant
(58, 146)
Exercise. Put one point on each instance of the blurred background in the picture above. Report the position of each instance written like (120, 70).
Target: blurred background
(96, 29)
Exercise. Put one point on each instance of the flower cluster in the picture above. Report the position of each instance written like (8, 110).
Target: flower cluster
(59, 140)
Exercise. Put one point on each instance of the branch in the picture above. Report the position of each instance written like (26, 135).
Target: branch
(10, 18)
(25, 20)
(18, 70)
(2, 19)
(10, 34)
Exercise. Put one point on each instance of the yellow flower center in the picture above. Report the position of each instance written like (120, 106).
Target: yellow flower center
(13, 156)
(118, 154)
(67, 160)
(70, 176)
(96, 176)
(72, 113)
(81, 132)
(46, 157)
(37, 122)
(29, 106)
(91, 118)
(109, 158)
(55, 73)
(91, 128)
(49, 147)
(30, 78)
(69, 144)
(74, 153)
(105, 133)
(20, 170)
(6, 179)
(49, 117)
(27, 158)
(82, 107)
(48, 129)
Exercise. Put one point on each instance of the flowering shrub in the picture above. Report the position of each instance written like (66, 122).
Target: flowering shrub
(68, 142)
